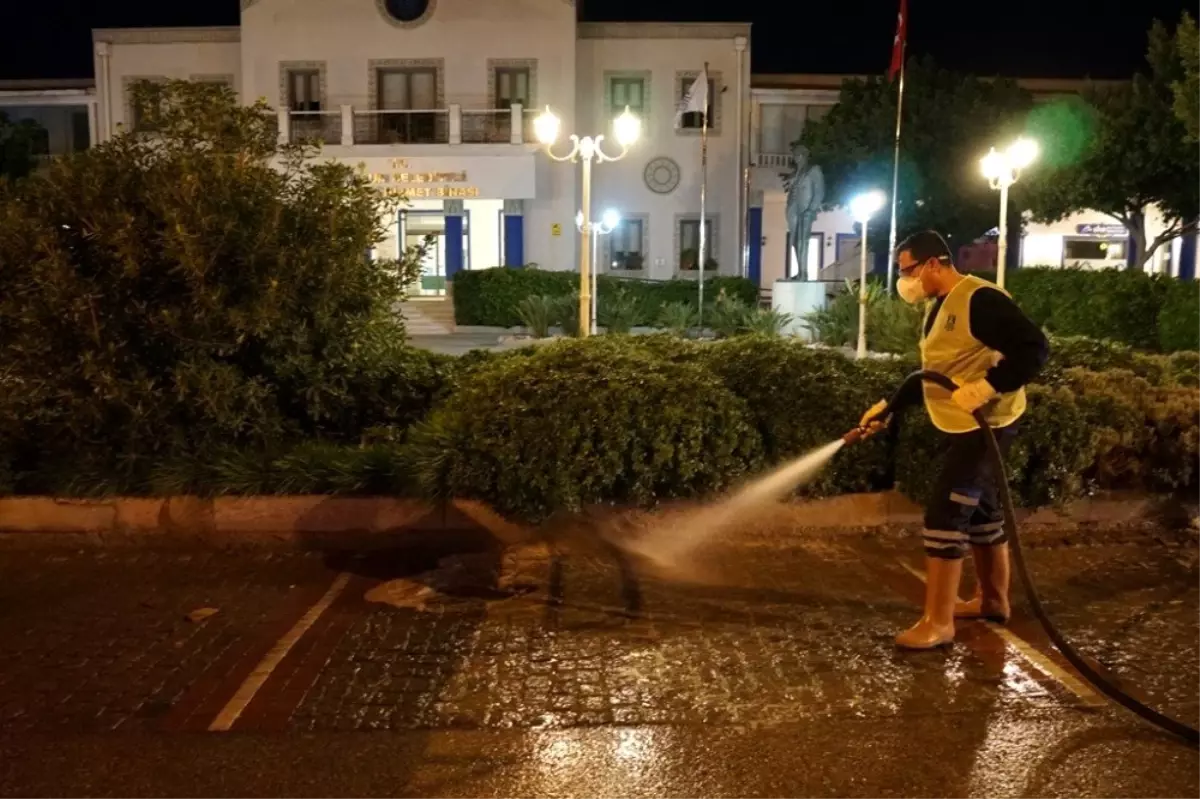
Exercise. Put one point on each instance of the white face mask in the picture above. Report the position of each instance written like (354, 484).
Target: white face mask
(911, 289)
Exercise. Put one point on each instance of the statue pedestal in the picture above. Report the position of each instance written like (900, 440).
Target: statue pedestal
(797, 298)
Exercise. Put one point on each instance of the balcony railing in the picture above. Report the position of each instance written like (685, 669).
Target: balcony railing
(322, 126)
(452, 125)
(430, 126)
(774, 160)
(487, 127)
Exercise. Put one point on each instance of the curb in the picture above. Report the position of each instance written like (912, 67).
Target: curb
(323, 521)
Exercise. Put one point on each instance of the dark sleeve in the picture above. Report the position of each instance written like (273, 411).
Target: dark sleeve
(999, 324)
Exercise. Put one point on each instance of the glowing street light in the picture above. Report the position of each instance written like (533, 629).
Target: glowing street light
(627, 128)
(1002, 170)
(862, 208)
(608, 222)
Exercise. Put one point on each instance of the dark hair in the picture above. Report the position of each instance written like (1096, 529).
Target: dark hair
(925, 245)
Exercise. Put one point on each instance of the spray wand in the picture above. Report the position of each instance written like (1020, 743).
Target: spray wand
(1091, 671)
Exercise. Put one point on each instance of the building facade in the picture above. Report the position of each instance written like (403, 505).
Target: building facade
(435, 99)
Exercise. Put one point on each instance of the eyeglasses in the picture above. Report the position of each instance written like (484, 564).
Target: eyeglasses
(907, 271)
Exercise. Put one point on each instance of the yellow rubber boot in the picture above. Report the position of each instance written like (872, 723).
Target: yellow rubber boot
(936, 626)
(992, 574)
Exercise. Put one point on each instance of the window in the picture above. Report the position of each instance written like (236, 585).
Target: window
(689, 245)
(629, 92)
(625, 246)
(304, 90)
(513, 86)
(1093, 250)
(694, 120)
(408, 90)
(780, 124)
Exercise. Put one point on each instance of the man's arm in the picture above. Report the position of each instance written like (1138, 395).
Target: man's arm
(1002, 326)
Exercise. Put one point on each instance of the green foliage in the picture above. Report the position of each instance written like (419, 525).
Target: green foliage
(619, 312)
(489, 297)
(893, 325)
(18, 146)
(1124, 306)
(1179, 317)
(677, 317)
(1136, 154)
(585, 422)
(538, 314)
(802, 398)
(728, 316)
(1186, 87)
(767, 322)
(179, 295)
(950, 120)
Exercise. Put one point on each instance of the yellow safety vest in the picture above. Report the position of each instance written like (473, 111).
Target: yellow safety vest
(949, 348)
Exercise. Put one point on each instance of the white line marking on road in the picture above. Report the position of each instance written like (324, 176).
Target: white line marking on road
(1031, 654)
(251, 685)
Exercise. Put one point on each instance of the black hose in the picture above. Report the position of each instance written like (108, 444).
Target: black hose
(1100, 682)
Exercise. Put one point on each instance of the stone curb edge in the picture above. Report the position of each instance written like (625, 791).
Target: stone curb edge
(317, 521)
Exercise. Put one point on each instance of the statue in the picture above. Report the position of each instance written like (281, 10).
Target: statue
(805, 187)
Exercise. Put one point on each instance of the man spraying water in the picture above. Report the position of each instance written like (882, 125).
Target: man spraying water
(977, 336)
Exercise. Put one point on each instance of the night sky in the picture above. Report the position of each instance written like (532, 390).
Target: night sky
(1019, 38)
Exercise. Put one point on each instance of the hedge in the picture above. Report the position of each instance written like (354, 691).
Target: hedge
(1147, 312)
(642, 419)
(489, 297)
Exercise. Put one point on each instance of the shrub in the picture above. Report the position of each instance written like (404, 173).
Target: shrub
(200, 290)
(802, 398)
(489, 296)
(1179, 318)
(728, 316)
(619, 311)
(1122, 305)
(893, 325)
(538, 314)
(678, 317)
(583, 422)
(766, 322)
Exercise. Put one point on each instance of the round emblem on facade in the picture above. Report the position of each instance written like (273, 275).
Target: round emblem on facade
(661, 175)
(405, 13)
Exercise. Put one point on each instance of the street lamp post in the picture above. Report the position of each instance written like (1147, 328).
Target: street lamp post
(608, 222)
(627, 128)
(1002, 170)
(862, 208)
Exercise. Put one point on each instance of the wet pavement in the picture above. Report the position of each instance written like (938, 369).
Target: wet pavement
(561, 669)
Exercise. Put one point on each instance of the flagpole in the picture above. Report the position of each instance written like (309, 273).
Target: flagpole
(891, 254)
(703, 195)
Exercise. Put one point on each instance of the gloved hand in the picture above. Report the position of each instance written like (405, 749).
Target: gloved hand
(974, 395)
(870, 423)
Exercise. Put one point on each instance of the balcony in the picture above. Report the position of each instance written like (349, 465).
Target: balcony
(452, 125)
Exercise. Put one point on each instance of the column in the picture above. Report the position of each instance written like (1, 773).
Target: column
(514, 233)
(754, 239)
(454, 237)
(1187, 257)
(93, 124)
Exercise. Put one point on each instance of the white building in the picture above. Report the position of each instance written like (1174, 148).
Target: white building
(436, 99)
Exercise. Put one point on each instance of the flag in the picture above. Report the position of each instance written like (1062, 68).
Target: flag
(696, 98)
(899, 42)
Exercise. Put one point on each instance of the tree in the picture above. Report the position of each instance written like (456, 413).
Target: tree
(950, 121)
(19, 146)
(1120, 151)
(1187, 88)
(170, 295)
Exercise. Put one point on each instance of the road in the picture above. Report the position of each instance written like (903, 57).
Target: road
(562, 670)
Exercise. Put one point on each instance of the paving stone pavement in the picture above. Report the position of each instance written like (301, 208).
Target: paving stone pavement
(771, 631)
